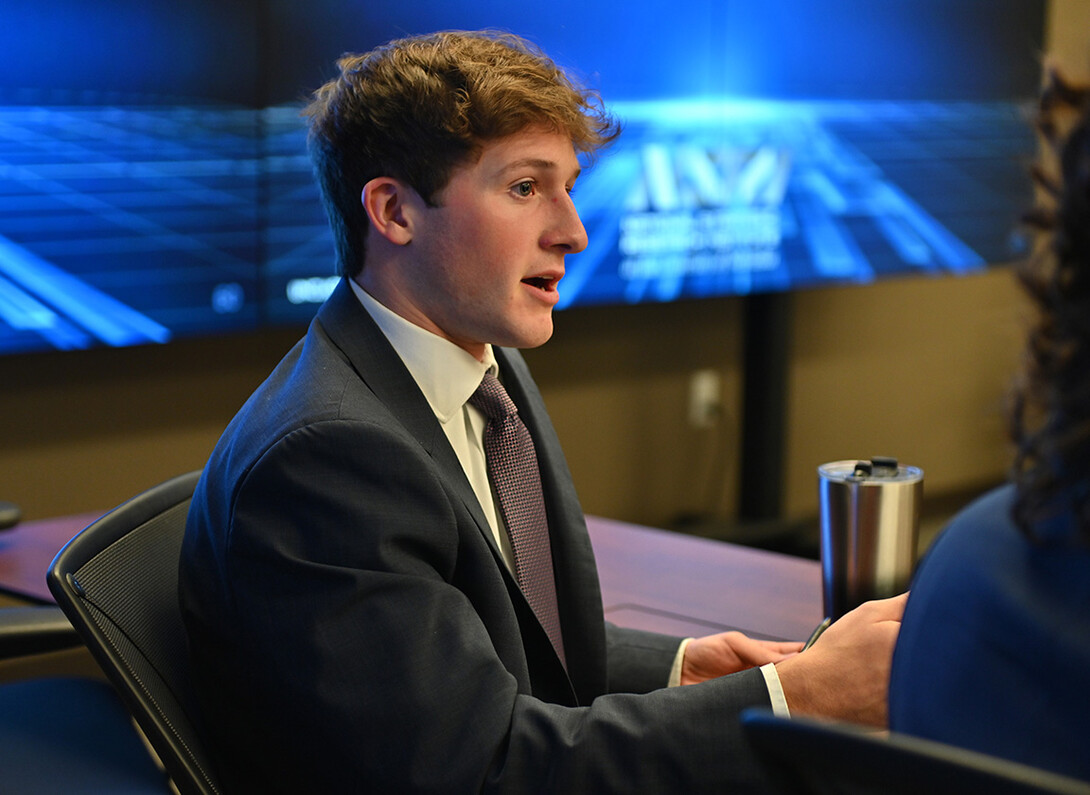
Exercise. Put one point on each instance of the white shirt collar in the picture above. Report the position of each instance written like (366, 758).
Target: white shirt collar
(445, 373)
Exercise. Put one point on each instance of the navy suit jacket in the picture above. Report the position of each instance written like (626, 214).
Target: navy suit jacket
(354, 629)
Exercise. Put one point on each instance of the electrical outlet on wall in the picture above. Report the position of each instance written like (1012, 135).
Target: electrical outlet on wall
(705, 398)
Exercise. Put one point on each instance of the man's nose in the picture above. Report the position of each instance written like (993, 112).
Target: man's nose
(567, 231)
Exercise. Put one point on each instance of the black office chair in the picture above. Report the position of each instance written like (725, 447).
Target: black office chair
(117, 581)
(807, 757)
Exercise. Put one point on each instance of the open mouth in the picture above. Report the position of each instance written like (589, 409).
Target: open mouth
(541, 282)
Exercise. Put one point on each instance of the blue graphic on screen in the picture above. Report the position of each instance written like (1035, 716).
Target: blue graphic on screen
(766, 146)
(732, 197)
(155, 182)
(129, 172)
(122, 226)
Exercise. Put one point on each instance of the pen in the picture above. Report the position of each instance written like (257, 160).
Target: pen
(824, 625)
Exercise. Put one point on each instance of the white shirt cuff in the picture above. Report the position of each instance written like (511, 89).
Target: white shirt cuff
(772, 681)
(675, 670)
(775, 691)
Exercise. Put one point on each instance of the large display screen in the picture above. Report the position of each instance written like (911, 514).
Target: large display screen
(156, 183)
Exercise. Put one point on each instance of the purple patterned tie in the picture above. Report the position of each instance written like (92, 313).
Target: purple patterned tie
(512, 467)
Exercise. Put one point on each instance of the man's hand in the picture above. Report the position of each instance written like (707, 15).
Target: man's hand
(845, 674)
(729, 652)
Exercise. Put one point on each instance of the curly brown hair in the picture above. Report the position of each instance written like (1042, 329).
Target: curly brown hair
(1050, 416)
(417, 108)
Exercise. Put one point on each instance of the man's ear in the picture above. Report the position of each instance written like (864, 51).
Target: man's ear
(387, 203)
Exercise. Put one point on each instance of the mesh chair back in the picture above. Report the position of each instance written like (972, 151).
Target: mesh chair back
(811, 758)
(117, 581)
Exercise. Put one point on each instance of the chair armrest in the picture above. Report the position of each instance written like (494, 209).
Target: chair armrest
(34, 630)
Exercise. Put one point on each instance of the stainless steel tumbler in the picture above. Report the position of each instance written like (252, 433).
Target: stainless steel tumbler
(870, 520)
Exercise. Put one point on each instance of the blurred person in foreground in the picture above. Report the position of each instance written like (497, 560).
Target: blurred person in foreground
(359, 617)
(994, 653)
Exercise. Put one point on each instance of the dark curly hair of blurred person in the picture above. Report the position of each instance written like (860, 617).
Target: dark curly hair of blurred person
(1050, 407)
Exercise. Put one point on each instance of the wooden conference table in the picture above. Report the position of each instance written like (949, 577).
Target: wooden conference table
(651, 579)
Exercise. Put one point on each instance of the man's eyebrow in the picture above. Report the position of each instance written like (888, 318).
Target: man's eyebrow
(536, 163)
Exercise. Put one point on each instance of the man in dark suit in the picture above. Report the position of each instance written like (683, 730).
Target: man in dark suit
(356, 608)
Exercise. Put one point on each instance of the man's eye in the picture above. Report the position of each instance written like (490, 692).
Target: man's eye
(525, 188)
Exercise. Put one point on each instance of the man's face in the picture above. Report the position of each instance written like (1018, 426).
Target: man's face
(485, 263)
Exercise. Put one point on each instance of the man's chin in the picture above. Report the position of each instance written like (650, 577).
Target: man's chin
(531, 337)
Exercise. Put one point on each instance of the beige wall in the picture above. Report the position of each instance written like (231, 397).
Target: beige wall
(1068, 36)
(82, 431)
(913, 367)
(616, 382)
(916, 369)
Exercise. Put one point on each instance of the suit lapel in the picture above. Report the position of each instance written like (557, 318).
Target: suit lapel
(351, 329)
